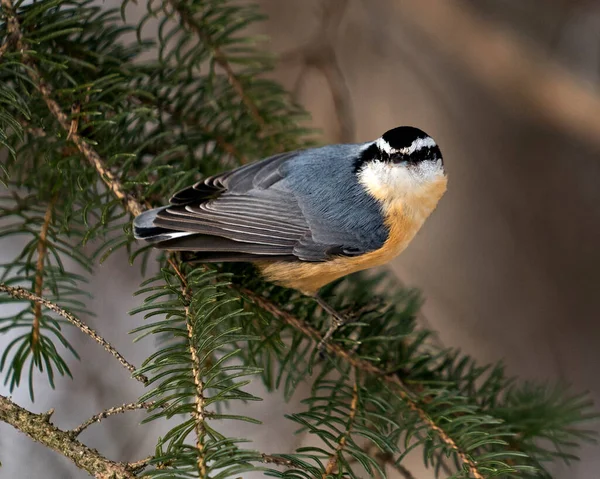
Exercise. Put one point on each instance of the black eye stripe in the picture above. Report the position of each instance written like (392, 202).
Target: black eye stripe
(373, 153)
(369, 154)
(426, 153)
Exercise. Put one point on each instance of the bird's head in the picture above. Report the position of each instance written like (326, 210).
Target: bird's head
(404, 164)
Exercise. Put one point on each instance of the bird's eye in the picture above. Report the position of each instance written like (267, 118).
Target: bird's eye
(398, 158)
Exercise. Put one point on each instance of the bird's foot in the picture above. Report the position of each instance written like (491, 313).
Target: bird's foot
(337, 321)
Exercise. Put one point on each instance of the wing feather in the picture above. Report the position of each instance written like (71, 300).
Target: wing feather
(235, 213)
(248, 214)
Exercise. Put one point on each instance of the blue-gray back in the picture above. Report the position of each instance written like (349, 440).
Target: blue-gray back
(304, 205)
(335, 205)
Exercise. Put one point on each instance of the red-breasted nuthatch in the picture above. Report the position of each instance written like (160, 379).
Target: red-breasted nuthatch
(311, 216)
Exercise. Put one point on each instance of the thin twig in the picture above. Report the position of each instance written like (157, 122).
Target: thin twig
(368, 367)
(278, 461)
(333, 460)
(39, 428)
(187, 19)
(21, 293)
(402, 470)
(74, 126)
(283, 462)
(111, 412)
(139, 465)
(225, 145)
(388, 459)
(39, 273)
(199, 413)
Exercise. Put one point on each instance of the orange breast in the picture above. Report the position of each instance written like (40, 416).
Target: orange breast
(404, 218)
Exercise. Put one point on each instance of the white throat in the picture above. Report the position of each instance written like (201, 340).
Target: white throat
(409, 184)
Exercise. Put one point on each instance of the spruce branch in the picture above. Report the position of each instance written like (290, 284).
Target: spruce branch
(39, 273)
(333, 460)
(134, 406)
(177, 116)
(198, 413)
(14, 32)
(20, 293)
(368, 367)
(202, 326)
(199, 397)
(188, 20)
(109, 178)
(39, 428)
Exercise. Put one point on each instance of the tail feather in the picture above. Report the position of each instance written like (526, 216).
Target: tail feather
(205, 247)
(144, 228)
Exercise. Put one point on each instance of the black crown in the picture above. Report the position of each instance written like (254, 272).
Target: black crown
(403, 136)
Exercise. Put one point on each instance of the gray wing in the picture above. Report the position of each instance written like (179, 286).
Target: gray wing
(246, 214)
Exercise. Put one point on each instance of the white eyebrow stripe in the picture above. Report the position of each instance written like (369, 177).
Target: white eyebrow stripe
(419, 144)
(416, 145)
(384, 146)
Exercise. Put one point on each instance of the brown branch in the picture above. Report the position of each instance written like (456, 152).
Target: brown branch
(224, 145)
(278, 461)
(134, 406)
(39, 428)
(198, 414)
(12, 26)
(21, 293)
(319, 53)
(403, 471)
(74, 126)
(333, 460)
(399, 468)
(39, 274)
(187, 19)
(4, 47)
(366, 366)
(520, 74)
(12, 23)
(114, 185)
(342, 99)
(139, 465)
(199, 402)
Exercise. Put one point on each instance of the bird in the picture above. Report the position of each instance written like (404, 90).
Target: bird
(311, 216)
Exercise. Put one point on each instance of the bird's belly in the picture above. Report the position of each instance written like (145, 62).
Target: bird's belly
(309, 277)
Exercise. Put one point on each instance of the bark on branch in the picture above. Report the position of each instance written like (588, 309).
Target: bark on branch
(20, 293)
(39, 428)
(368, 367)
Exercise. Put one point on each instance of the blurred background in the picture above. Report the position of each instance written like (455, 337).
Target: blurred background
(508, 264)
